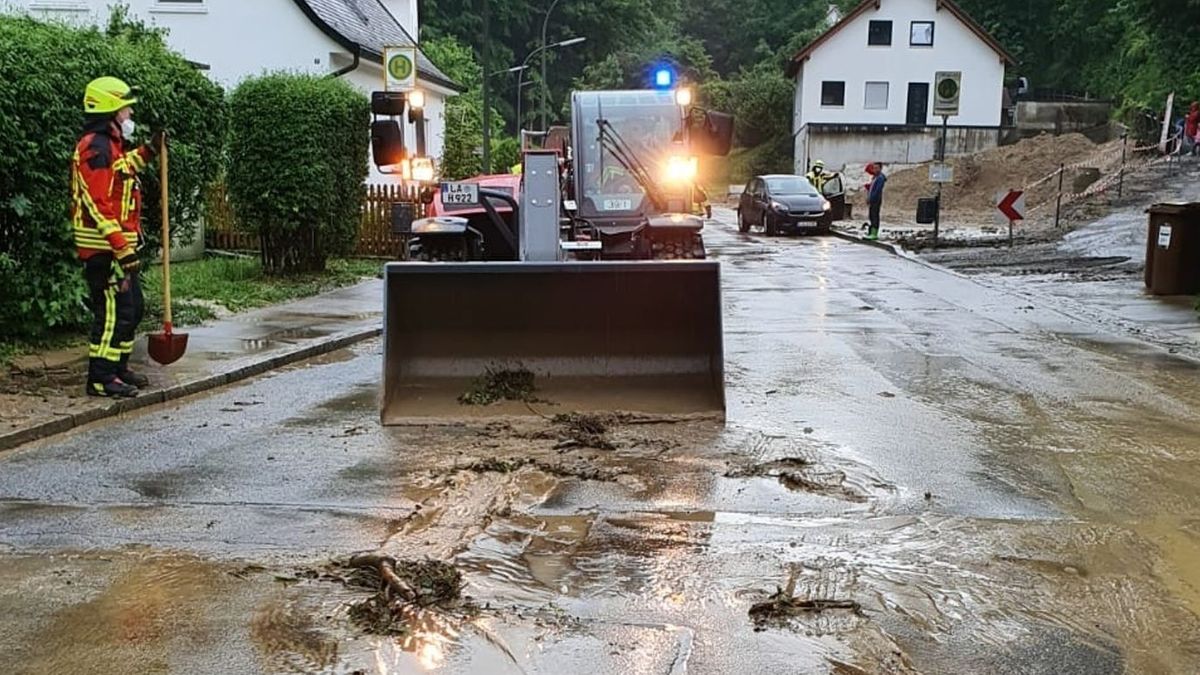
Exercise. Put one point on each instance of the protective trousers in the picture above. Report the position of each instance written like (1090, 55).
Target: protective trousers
(873, 209)
(117, 310)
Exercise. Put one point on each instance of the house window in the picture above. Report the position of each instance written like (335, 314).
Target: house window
(833, 94)
(876, 96)
(180, 6)
(921, 34)
(59, 5)
(880, 34)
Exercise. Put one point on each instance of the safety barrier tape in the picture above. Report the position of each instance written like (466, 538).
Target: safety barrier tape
(1092, 161)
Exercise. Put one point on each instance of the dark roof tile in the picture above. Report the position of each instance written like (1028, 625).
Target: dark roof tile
(368, 24)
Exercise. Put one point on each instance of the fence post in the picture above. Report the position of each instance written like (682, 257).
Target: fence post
(1062, 169)
(1124, 148)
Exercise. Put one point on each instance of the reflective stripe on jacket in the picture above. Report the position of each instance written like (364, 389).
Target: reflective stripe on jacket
(106, 196)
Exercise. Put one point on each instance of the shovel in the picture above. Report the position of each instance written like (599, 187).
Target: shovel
(168, 346)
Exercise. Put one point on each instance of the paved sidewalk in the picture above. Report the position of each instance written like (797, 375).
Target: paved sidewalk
(227, 350)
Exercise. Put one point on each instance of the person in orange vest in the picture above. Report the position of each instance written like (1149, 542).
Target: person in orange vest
(106, 204)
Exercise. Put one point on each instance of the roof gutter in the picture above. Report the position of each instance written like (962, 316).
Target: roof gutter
(356, 52)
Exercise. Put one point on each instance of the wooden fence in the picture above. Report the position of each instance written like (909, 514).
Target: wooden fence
(374, 238)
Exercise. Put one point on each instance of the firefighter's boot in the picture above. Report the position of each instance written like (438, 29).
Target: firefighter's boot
(114, 388)
(129, 377)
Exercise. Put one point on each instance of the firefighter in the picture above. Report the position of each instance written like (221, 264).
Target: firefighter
(817, 176)
(106, 204)
(700, 197)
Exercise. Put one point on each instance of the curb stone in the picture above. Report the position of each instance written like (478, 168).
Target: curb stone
(881, 245)
(65, 423)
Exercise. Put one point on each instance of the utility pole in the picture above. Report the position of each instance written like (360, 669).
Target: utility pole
(937, 212)
(545, 86)
(484, 52)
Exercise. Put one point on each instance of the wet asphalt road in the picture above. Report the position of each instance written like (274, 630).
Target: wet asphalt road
(1001, 487)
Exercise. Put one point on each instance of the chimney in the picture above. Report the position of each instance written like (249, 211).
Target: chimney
(405, 12)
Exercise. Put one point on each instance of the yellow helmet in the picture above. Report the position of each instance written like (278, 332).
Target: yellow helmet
(107, 95)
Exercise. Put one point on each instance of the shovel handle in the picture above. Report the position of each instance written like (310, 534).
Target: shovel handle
(166, 233)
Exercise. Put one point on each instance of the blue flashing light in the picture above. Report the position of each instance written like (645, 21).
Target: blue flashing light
(664, 78)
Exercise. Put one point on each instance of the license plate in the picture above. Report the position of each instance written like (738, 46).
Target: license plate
(616, 205)
(460, 194)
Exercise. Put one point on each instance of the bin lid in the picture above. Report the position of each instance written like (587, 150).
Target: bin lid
(1176, 209)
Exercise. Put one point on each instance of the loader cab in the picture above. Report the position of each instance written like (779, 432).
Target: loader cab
(650, 124)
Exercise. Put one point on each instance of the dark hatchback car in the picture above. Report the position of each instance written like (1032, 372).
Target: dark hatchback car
(788, 203)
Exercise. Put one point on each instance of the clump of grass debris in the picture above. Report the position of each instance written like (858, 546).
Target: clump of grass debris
(586, 431)
(500, 384)
(783, 605)
(497, 465)
(400, 588)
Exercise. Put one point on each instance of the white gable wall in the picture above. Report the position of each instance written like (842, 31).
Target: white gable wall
(235, 38)
(847, 57)
(244, 38)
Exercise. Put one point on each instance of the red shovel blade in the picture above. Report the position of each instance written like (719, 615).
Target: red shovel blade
(167, 348)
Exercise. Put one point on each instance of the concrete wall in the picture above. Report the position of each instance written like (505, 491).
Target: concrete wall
(851, 146)
(1089, 117)
(846, 57)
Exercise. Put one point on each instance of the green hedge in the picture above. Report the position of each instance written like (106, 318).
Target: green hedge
(297, 166)
(44, 69)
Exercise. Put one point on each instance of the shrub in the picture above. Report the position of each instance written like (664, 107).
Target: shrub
(44, 68)
(297, 165)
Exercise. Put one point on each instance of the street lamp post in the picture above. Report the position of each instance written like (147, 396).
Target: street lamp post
(525, 65)
(545, 23)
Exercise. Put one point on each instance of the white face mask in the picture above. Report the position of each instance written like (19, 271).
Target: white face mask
(127, 129)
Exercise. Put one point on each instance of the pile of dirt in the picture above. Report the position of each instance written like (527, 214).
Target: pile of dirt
(500, 384)
(978, 177)
(397, 588)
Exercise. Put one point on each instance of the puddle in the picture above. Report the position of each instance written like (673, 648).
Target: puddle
(285, 336)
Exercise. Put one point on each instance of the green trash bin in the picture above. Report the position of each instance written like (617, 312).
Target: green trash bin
(1173, 249)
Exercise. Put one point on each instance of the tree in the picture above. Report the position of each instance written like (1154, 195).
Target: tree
(464, 113)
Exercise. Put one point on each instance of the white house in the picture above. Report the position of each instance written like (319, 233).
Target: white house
(863, 88)
(234, 39)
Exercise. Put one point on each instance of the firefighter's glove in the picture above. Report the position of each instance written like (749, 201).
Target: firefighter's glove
(157, 138)
(128, 259)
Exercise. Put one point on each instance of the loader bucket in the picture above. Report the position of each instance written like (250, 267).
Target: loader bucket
(597, 336)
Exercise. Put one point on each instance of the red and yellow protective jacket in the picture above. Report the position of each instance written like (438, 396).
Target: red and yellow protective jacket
(106, 195)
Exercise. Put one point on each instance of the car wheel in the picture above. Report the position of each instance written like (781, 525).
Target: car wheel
(743, 225)
(768, 226)
(824, 226)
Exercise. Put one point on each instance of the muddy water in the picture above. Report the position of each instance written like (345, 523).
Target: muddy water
(999, 488)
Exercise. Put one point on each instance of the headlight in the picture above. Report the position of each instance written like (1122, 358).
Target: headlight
(779, 206)
(680, 170)
(826, 206)
(422, 169)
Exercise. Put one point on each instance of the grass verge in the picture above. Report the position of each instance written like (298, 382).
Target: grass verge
(204, 289)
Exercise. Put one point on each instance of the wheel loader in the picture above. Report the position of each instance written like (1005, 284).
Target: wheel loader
(632, 335)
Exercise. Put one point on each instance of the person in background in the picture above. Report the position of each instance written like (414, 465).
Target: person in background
(1191, 129)
(817, 176)
(875, 198)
